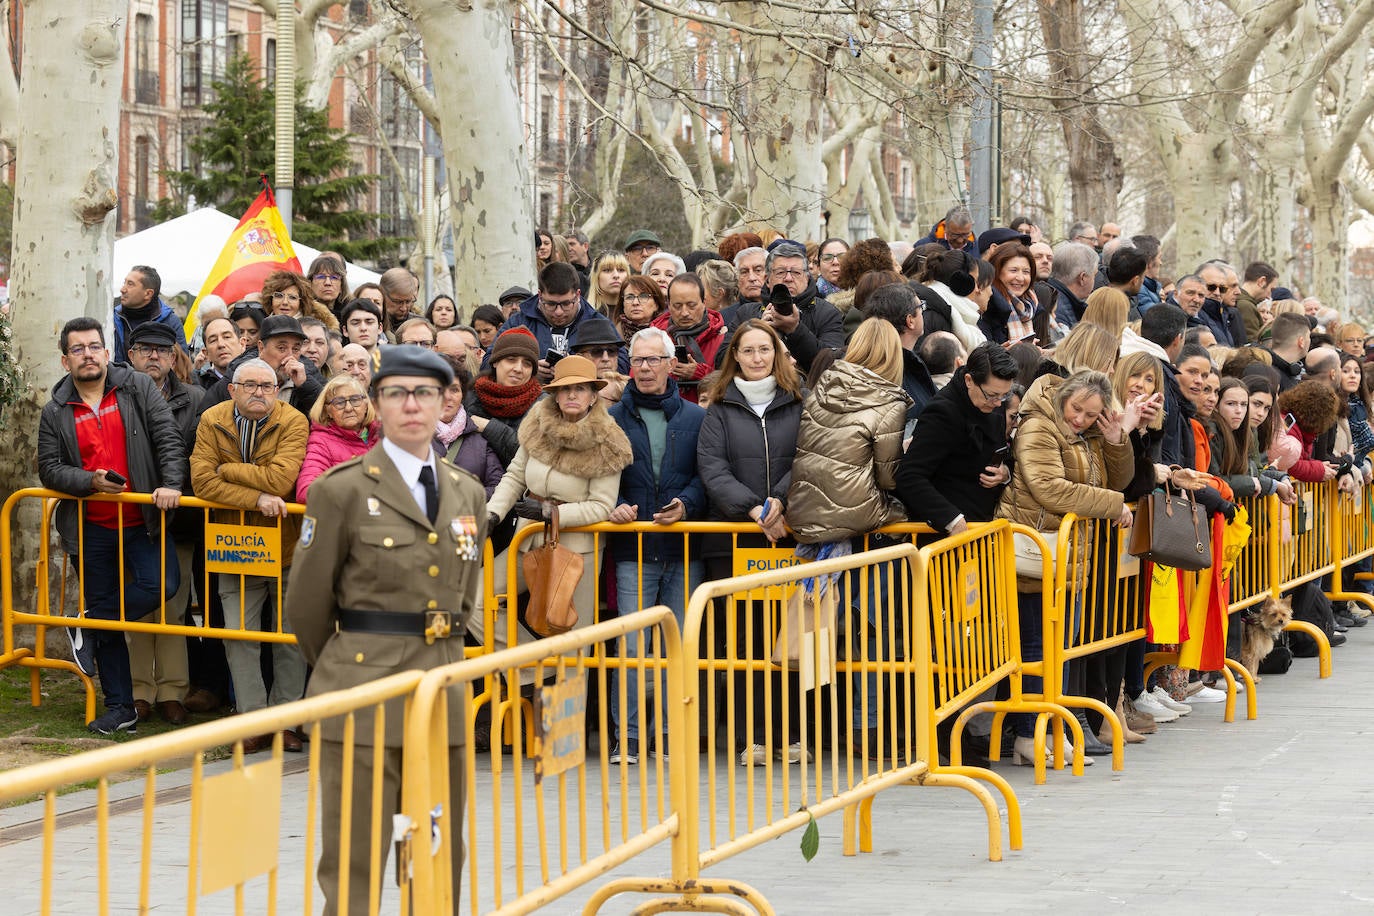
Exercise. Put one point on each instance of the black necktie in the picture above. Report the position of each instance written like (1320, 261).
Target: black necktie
(431, 493)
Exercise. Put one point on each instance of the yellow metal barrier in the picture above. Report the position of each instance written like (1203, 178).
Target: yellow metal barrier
(232, 824)
(557, 825)
(801, 741)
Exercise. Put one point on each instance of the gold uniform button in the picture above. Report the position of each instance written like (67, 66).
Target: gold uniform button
(358, 658)
(387, 542)
(433, 605)
(433, 572)
(432, 538)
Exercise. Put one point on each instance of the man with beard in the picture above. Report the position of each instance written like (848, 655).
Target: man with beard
(811, 324)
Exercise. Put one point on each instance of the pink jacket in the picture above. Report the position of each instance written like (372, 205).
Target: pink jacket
(328, 446)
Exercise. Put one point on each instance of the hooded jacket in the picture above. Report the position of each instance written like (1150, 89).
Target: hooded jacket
(848, 448)
(328, 446)
(152, 441)
(1054, 466)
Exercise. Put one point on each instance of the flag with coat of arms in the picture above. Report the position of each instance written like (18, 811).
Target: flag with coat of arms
(258, 245)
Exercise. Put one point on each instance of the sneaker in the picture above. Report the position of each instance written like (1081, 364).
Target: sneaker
(1208, 695)
(1162, 697)
(83, 651)
(756, 754)
(1337, 639)
(116, 719)
(1148, 704)
(1351, 620)
(794, 753)
(630, 755)
(1357, 610)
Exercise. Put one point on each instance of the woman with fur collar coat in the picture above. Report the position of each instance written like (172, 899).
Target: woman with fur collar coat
(571, 453)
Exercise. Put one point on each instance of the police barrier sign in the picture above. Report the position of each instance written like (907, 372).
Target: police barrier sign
(750, 560)
(560, 726)
(243, 550)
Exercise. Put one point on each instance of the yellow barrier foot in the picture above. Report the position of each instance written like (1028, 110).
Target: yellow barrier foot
(1251, 697)
(1001, 785)
(690, 896)
(1323, 645)
(960, 781)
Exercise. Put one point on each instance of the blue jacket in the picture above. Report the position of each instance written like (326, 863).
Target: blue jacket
(122, 330)
(529, 316)
(936, 236)
(1225, 323)
(677, 476)
(1148, 297)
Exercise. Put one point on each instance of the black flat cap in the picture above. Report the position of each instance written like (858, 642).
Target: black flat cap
(413, 361)
(154, 334)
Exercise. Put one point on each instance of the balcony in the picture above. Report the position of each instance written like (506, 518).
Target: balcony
(146, 88)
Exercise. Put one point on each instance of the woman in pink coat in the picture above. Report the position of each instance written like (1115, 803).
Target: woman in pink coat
(343, 424)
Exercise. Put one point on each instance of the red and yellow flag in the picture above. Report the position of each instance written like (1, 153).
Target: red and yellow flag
(258, 245)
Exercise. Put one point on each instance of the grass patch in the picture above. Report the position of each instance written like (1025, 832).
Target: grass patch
(57, 728)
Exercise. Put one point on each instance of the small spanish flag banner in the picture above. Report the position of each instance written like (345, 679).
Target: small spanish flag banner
(258, 245)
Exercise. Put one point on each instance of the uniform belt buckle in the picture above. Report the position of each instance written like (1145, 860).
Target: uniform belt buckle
(438, 625)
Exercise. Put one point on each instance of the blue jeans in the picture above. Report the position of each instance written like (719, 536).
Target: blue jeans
(663, 583)
(1031, 608)
(144, 590)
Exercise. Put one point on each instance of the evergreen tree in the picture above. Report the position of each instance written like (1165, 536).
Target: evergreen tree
(237, 146)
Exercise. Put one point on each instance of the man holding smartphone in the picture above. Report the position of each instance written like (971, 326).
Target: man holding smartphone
(108, 429)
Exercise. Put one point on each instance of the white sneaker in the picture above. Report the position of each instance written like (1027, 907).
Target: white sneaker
(1156, 709)
(1161, 696)
(754, 753)
(1208, 695)
(1355, 609)
(793, 753)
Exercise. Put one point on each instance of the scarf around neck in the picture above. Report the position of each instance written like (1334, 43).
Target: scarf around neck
(504, 401)
(448, 432)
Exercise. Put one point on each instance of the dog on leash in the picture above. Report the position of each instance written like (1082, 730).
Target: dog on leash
(1261, 627)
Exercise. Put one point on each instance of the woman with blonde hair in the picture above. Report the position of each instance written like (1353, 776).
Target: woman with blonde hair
(343, 425)
(609, 274)
(850, 441)
(1088, 346)
(1108, 308)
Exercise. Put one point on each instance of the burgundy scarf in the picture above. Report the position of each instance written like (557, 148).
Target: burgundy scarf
(506, 402)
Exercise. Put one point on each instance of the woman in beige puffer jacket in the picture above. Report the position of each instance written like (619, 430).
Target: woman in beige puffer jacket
(850, 442)
(1073, 454)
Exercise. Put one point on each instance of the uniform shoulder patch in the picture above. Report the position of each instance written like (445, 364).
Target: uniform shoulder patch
(307, 530)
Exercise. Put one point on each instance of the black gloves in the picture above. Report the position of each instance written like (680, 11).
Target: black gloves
(530, 508)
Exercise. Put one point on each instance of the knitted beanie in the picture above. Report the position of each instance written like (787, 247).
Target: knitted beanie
(515, 342)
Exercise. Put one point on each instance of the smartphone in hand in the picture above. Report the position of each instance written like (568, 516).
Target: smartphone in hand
(116, 478)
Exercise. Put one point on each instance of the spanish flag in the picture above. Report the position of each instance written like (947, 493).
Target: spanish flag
(258, 245)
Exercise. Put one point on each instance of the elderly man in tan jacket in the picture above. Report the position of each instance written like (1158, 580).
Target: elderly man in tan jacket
(248, 455)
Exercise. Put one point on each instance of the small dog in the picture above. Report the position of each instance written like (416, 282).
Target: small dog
(1262, 625)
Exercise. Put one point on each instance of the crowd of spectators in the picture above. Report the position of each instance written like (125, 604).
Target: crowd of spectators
(814, 391)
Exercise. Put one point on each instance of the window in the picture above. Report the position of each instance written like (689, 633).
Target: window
(395, 191)
(143, 169)
(204, 26)
(145, 67)
(269, 57)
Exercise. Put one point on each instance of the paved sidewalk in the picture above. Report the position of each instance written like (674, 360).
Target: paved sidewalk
(1264, 816)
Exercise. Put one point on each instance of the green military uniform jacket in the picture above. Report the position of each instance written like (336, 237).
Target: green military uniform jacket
(366, 544)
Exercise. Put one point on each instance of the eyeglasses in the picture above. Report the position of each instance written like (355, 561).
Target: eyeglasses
(638, 297)
(833, 256)
(326, 278)
(643, 249)
(1218, 287)
(92, 349)
(150, 349)
(651, 361)
(786, 272)
(255, 387)
(560, 304)
(426, 344)
(425, 395)
(397, 300)
(993, 398)
(1090, 239)
(597, 351)
(751, 352)
(353, 400)
(288, 296)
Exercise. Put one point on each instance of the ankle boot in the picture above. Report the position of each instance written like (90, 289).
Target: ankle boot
(1130, 737)
(1091, 746)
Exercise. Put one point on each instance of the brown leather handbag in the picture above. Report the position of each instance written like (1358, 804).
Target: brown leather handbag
(1170, 529)
(551, 573)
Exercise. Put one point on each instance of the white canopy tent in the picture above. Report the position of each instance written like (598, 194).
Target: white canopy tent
(184, 250)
